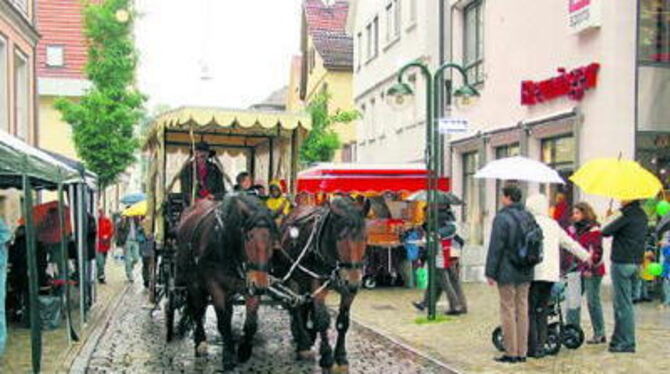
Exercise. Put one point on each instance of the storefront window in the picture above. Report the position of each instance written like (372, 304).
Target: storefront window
(559, 153)
(654, 35)
(509, 150)
(471, 210)
(653, 152)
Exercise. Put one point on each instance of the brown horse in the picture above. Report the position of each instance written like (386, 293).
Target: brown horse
(323, 248)
(224, 249)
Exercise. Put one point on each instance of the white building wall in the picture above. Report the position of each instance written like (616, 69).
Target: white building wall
(386, 134)
(529, 40)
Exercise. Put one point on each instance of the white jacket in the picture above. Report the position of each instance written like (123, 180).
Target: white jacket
(554, 238)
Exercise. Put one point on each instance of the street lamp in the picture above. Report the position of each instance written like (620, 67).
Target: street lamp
(398, 95)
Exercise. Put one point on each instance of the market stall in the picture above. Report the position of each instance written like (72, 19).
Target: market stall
(386, 187)
(28, 169)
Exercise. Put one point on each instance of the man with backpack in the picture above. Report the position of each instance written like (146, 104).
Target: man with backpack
(515, 248)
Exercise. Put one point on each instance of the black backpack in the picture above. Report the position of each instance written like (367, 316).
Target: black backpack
(529, 248)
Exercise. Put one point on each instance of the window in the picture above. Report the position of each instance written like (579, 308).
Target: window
(4, 87)
(372, 131)
(368, 34)
(55, 56)
(21, 91)
(471, 209)
(473, 42)
(372, 32)
(375, 35)
(392, 20)
(359, 49)
(654, 31)
(509, 150)
(412, 11)
(559, 154)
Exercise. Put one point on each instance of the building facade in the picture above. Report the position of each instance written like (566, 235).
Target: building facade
(61, 58)
(562, 82)
(18, 109)
(327, 63)
(388, 34)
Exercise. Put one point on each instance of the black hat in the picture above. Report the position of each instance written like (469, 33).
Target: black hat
(204, 147)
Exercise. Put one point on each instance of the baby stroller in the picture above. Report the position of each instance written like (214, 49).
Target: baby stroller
(558, 332)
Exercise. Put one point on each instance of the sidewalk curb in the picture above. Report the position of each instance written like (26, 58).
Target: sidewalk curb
(79, 355)
(402, 344)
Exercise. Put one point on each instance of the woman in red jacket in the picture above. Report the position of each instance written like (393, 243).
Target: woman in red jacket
(586, 231)
(105, 233)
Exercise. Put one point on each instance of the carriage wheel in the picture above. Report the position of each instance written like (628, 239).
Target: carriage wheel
(369, 282)
(572, 336)
(497, 339)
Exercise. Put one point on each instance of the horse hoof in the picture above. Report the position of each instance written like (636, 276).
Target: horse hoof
(201, 350)
(306, 356)
(244, 353)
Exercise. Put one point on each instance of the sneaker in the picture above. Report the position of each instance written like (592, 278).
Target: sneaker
(419, 306)
(505, 359)
(615, 349)
(102, 281)
(454, 312)
(597, 340)
(520, 360)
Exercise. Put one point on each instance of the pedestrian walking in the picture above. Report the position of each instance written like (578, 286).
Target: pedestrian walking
(547, 272)
(147, 252)
(512, 280)
(586, 230)
(446, 263)
(132, 247)
(628, 231)
(105, 234)
(663, 236)
(5, 235)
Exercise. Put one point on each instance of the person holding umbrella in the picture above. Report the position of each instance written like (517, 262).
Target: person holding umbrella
(628, 182)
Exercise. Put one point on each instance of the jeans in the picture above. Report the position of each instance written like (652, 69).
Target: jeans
(590, 286)
(623, 276)
(147, 266)
(131, 257)
(666, 291)
(101, 261)
(538, 312)
(640, 289)
(3, 293)
(514, 318)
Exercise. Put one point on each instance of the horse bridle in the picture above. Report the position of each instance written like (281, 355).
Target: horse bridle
(245, 265)
(317, 230)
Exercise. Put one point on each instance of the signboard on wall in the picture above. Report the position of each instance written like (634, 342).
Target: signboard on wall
(583, 15)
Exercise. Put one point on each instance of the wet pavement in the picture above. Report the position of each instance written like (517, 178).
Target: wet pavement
(134, 343)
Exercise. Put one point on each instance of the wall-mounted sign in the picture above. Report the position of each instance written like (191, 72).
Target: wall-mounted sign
(452, 125)
(583, 14)
(572, 84)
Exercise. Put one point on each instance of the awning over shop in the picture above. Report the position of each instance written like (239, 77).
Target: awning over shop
(366, 178)
(225, 128)
(18, 158)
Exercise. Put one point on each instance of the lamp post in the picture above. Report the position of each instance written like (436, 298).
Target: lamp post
(399, 95)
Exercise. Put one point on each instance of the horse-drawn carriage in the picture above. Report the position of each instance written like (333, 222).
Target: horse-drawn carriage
(266, 142)
(215, 252)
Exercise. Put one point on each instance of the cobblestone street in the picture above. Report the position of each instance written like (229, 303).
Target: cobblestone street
(134, 343)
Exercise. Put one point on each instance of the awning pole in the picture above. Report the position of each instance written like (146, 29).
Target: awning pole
(80, 253)
(33, 281)
(72, 335)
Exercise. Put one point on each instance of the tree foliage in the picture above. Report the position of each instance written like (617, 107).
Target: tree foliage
(103, 120)
(322, 141)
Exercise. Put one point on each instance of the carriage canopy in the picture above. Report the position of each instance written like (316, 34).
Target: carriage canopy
(269, 140)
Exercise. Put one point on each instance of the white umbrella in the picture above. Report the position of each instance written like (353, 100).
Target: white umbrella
(520, 169)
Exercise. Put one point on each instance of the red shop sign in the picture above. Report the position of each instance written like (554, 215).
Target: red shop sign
(572, 84)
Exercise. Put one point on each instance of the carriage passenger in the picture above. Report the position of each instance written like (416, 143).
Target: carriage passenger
(209, 176)
(279, 205)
